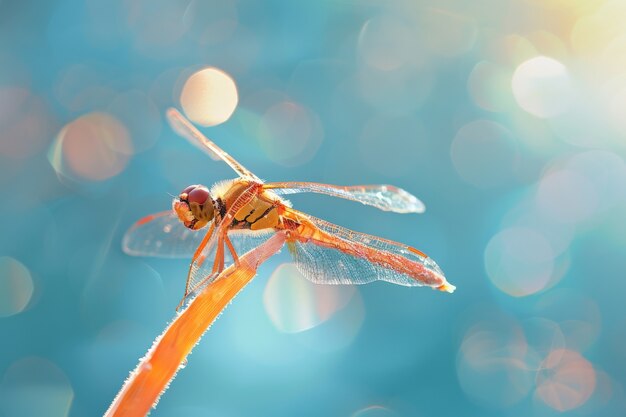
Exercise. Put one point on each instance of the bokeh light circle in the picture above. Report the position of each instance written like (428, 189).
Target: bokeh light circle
(209, 97)
(567, 380)
(578, 316)
(34, 386)
(543, 336)
(542, 86)
(566, 196)
(490, 364)
(484, 153)
(519, 261)
(596, 29)
(16, 286)
(295, 304)
(488, 85)
(525, 214)
(93, 147)
(510, 50)
(341, 330)
(548, 44)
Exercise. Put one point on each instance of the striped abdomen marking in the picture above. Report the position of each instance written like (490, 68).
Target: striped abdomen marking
(258, 214)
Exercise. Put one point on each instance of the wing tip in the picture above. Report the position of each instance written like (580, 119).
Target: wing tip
(175, 119)
(416, 205)
(420, 208)
(172, 112)
(126, 247)
(127, 244)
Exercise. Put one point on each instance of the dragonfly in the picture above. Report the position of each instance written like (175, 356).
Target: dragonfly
(242, 213)
(247, 221)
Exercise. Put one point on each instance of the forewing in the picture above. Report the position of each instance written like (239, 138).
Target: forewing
(161, 235)
(336, 255)
(384, 197)
(184, 128)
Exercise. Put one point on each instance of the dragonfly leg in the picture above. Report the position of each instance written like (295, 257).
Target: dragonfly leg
(218, 263)
(231, 248)
(197, 257)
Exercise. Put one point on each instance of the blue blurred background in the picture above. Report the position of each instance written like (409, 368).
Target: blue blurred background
(507, 118)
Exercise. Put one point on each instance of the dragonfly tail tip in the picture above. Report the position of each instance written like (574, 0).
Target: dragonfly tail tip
(447, 287)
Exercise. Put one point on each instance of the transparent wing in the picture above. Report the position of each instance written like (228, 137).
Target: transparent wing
(384, 197)
(201, 273)
(246, 240)
(184, 128)
(329, 254)
(161, 235)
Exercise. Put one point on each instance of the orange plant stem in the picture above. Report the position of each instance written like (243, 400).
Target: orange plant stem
(154, 372)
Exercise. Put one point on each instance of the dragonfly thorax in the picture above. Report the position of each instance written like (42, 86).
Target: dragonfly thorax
(194, 206)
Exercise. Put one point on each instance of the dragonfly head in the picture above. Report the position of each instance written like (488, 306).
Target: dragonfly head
(194, 206)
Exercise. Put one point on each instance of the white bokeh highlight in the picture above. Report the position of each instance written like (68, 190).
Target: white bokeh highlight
(542, 87)
(209, 97)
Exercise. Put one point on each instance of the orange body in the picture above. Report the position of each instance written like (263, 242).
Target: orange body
(265, 210)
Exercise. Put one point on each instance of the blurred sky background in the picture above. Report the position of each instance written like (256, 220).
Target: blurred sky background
(506, 117)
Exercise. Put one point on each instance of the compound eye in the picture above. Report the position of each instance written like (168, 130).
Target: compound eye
(188, 189)
(199, 195)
